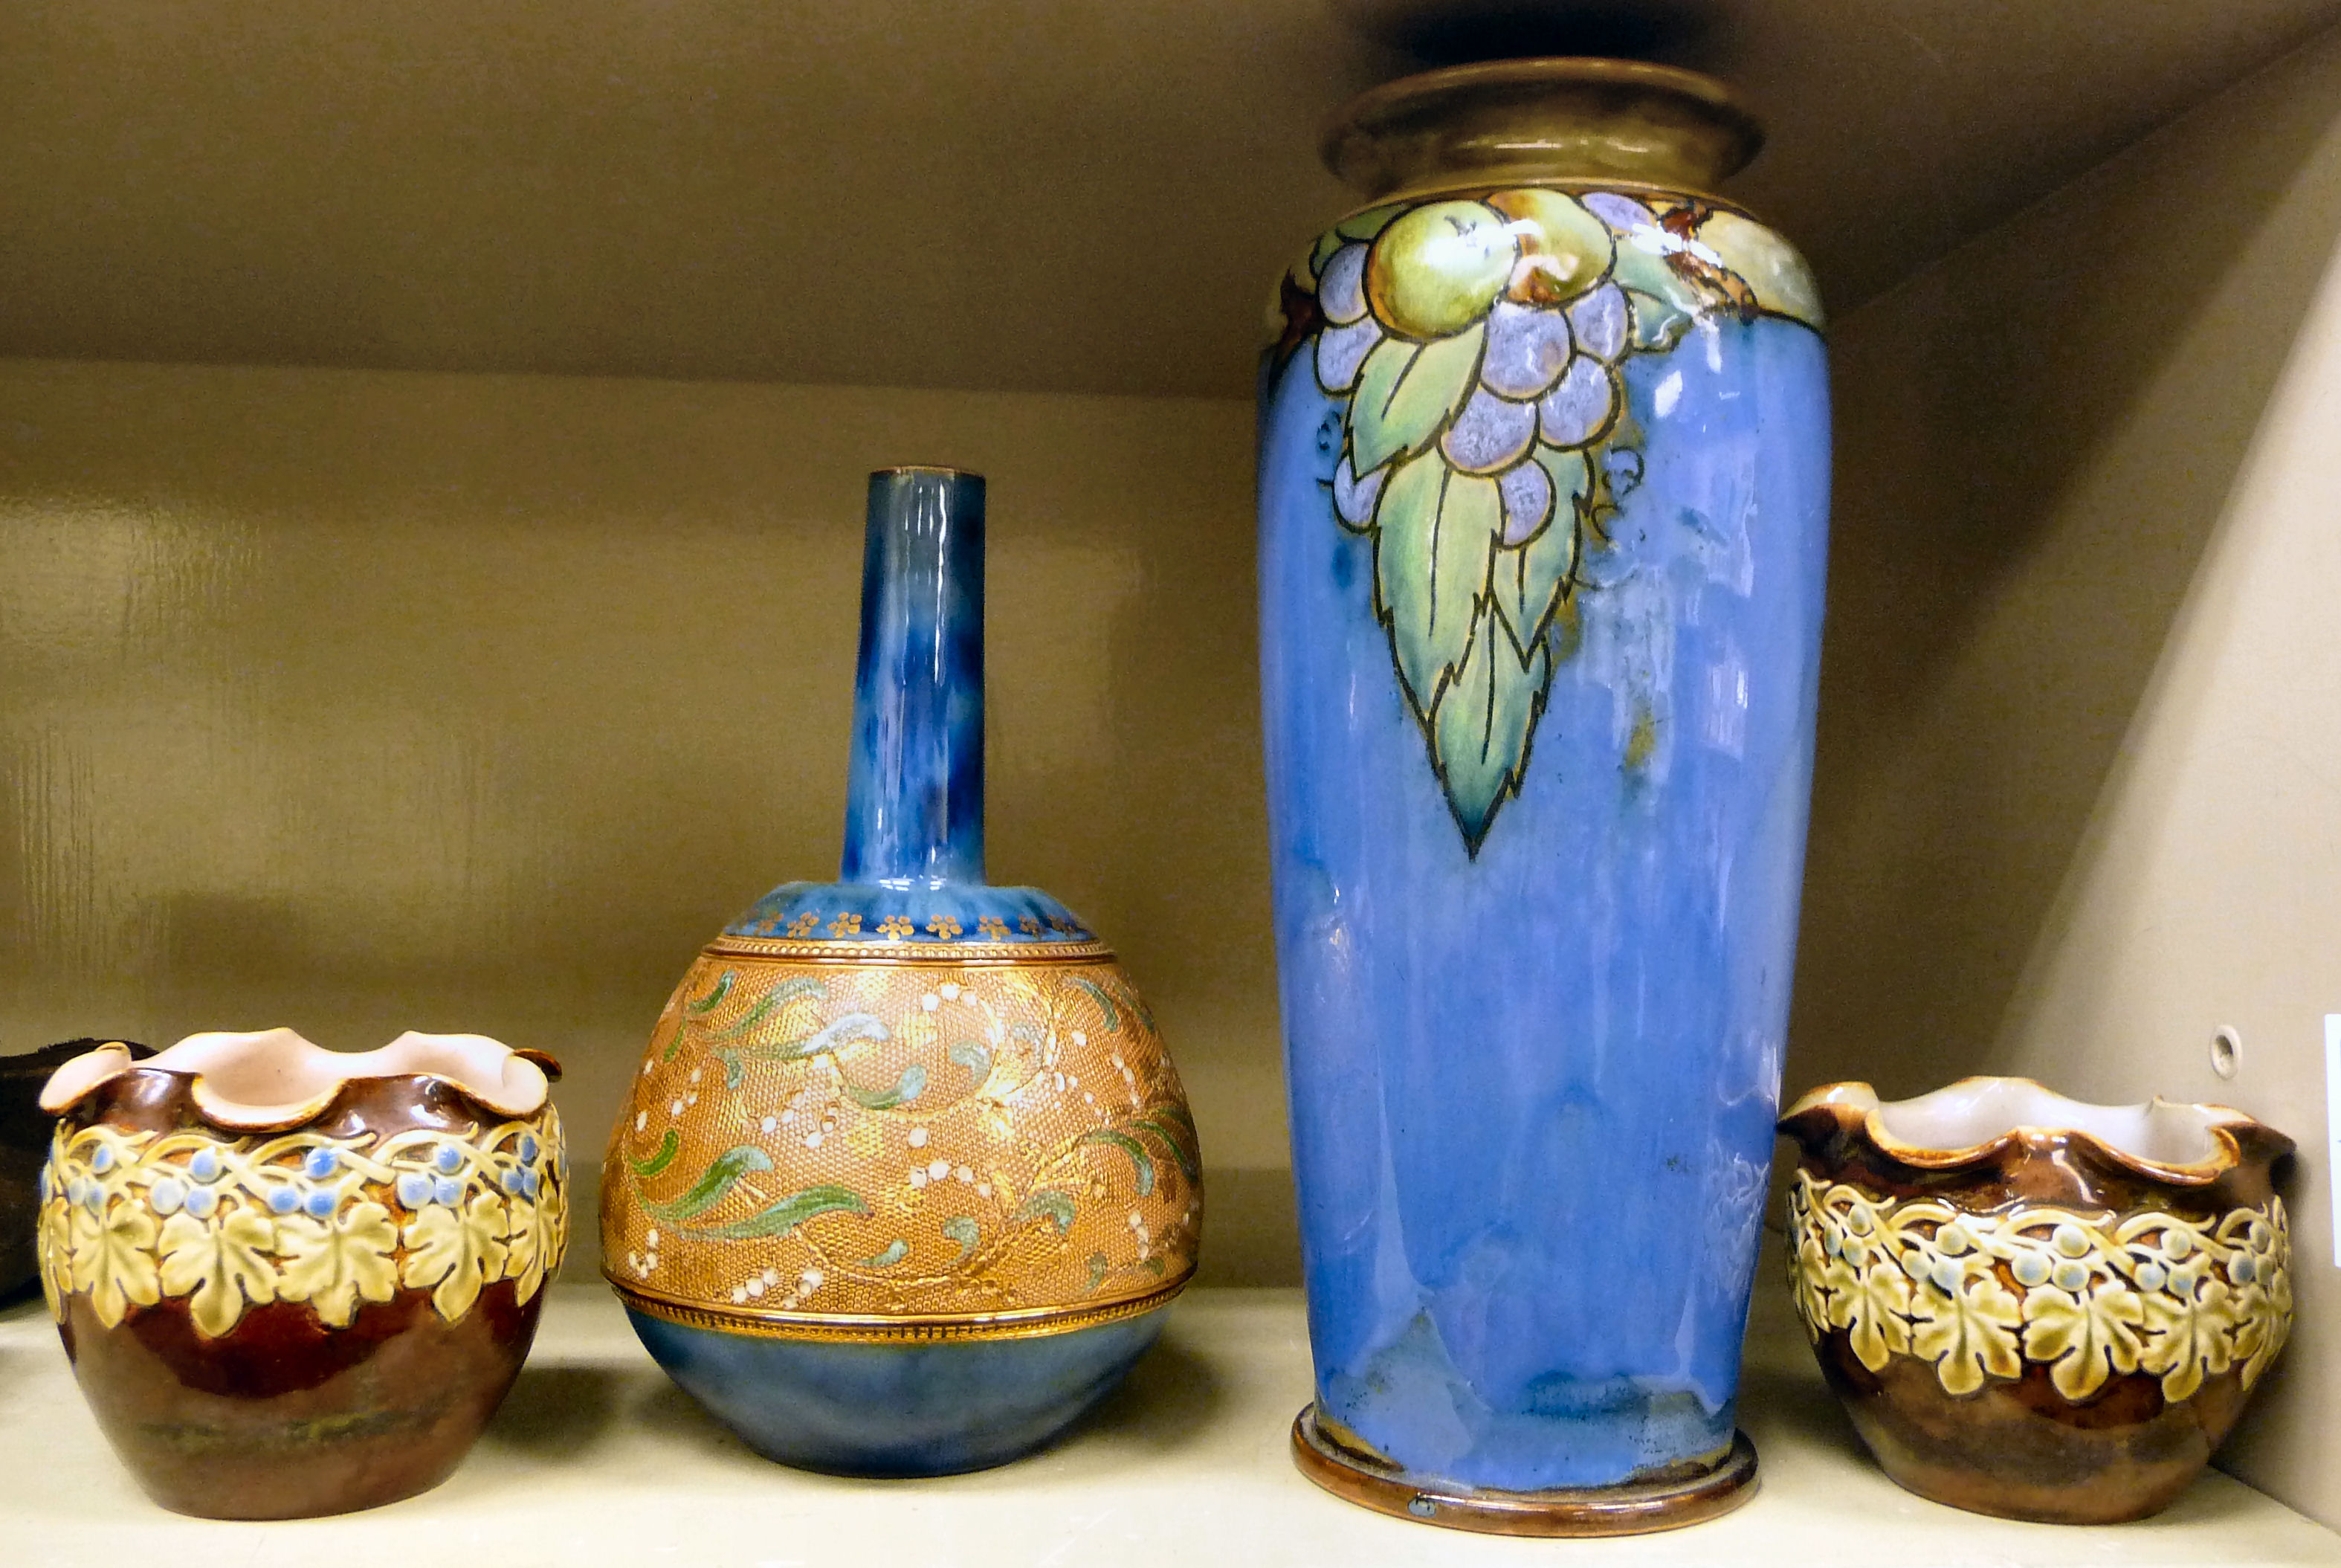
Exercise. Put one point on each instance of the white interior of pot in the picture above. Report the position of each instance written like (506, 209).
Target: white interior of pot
(272, 1071)
(1979, 1110)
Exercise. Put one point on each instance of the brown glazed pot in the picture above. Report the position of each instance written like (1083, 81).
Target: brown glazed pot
(2035, 1307)
(295, 1282)
(24, 1130)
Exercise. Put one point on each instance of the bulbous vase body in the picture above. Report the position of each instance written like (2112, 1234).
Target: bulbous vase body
(1542, 523)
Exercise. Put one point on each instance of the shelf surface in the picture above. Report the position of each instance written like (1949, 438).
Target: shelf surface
(597, 1458)
(1026, 194)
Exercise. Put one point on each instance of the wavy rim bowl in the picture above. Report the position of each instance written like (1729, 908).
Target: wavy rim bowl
(1976, 1119)
(270, 1078)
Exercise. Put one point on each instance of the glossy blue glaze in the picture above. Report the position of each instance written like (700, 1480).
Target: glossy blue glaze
(914, 790)
(1532, 1092)
(912, 868)
(898, 1409)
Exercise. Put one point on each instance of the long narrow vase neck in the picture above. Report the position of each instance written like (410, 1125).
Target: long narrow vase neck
(914, 796)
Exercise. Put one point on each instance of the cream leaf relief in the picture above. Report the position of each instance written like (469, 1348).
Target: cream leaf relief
(335, 1263)
(454, 1253)
(1869, 1304)
(55, 1238)
(524, 1261)
(113, 1256)
(2083, 1337)
(1967, 1330)
(220, 1266)
(228, 1224)
(1982, 1293)
(2190, 1323)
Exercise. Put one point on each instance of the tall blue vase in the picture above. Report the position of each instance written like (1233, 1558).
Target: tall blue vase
(1543, 497)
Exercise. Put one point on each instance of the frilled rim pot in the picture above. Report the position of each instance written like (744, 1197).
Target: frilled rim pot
(292, 1281)
(2033, 1306)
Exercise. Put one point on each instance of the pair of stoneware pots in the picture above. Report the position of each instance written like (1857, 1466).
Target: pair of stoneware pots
(292, 1281)
(2033, 1307)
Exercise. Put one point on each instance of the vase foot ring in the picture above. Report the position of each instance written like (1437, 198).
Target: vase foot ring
(1635, 1508)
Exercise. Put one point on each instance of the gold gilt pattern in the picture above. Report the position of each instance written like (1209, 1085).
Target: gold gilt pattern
(894, 1149)
(2090, 1295)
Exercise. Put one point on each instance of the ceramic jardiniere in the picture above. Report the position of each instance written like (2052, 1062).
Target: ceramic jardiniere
(2032, 1306)
(294, 1281)
(906, 1179)
(1543, 493)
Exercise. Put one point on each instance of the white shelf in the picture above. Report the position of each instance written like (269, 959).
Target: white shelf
(597, 1458)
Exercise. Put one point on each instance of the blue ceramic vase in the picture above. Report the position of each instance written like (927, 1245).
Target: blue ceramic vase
(907, 1180)
(1543, 498)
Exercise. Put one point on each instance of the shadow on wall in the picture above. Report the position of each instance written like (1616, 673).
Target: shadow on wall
(2036, 440)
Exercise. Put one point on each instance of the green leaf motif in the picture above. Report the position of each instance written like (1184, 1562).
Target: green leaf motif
(1099, 1265)
(735, 1069)
(661, 1157)
(961, 1228)
(907, 1088)
(837, 1034)
(1047, 1204)
(1437, 532)
(1142, 1163)
(893, 1253)
(1407, 392)
(1097, 993)
(714, 997)
(780, 995)
(717, 1179)
(1177, 1131)
(967, 1053)
(1480, 735)
(787, 1214)
(1528, 580)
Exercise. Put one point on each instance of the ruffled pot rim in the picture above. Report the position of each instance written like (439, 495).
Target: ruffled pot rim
(1977, 1120)
(274, 1078)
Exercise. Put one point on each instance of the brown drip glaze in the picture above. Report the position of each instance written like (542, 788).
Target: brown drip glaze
(153, 1100)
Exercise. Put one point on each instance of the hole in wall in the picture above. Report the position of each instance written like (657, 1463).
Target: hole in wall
(2226, 1052)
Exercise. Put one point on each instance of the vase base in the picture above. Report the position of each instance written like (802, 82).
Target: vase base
(1633, 1508)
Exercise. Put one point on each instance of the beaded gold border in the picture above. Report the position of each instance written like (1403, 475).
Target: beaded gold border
(941, 954)
(813, 1327)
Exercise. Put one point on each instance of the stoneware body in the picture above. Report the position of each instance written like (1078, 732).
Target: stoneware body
(292, 1281)
(1542, 513)
(907, 1178)
(2035, 1307)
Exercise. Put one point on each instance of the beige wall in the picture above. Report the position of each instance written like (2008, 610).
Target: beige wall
(2080, 770)
(362, 702)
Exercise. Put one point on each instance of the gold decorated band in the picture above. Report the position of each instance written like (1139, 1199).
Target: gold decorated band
(816, 1327)
(939, 954)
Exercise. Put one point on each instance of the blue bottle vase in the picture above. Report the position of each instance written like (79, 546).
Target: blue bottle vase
(907, 1180)
(1543, 495)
